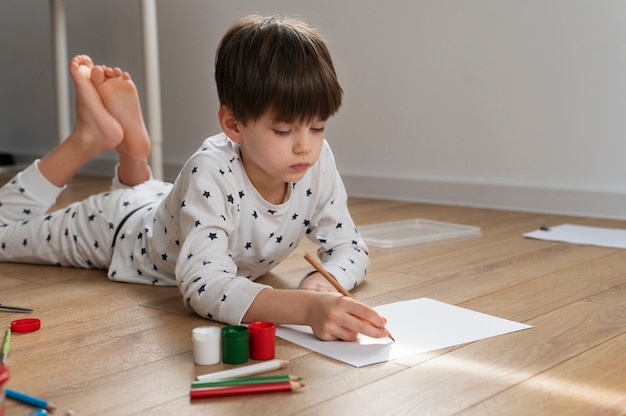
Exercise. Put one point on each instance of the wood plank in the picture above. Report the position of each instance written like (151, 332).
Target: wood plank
(592, 383)
(600, 279)
(494, 272)
(616, 295)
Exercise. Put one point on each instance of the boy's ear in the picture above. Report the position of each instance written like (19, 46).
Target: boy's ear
(229, 124)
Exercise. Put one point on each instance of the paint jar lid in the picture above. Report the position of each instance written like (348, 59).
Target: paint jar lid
(235, 332)
(261, 327)
(205, 333)
(25, 325)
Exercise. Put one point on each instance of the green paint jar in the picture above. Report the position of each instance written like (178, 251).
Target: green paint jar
(235, 344)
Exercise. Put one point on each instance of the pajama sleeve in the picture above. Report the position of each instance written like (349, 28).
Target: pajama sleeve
(205, 271)
(342, 250)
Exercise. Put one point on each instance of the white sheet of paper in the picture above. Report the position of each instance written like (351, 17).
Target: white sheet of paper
(418, 325)
(582, 234)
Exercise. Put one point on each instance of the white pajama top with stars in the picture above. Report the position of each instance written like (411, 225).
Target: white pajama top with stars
(212, 234)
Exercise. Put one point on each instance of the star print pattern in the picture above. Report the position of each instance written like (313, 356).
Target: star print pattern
(79, 235)
(241, 236)
(210, 233)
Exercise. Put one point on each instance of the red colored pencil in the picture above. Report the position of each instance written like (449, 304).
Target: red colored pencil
(222, 391)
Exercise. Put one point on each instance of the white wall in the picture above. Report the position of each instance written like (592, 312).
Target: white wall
(501, 103)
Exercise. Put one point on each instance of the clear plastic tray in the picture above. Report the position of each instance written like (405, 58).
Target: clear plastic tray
(405, 234)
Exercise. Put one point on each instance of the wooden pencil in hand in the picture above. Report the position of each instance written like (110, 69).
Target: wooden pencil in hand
(331, 279)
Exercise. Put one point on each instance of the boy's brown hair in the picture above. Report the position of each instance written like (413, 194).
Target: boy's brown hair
(279, 65)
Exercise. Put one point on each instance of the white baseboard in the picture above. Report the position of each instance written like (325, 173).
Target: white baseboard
(485, 195)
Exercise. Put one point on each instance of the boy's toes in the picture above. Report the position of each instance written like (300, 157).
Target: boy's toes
(97, 75)
(79, 60)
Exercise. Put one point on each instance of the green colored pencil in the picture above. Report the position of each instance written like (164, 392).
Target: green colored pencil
(244, 380)
(5, 347)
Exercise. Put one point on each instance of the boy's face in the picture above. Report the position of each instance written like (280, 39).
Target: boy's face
(275, 153)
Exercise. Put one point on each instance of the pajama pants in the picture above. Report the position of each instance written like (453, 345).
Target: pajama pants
(79, 235)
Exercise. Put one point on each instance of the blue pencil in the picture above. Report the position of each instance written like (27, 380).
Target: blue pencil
(28, 399)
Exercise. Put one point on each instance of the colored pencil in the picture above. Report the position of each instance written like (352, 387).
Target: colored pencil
(223, 391)
(331, 279)
(14, 308)
(245, 371)
(241, 381)
(28, 399)
(5, 347)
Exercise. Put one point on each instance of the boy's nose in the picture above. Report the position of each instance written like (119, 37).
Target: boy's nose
(303, 143)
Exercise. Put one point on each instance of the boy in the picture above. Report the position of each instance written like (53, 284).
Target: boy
(239, 206)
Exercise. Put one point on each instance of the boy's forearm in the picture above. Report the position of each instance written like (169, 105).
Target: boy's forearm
(281, 306)
(331, 316)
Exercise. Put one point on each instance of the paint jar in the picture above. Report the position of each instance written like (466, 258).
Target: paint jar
(4, 377)
(262, 340)
(235, 348)
(206, 345)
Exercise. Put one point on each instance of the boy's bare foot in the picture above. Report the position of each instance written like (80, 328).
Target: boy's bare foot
(95, 128)
(119, 95)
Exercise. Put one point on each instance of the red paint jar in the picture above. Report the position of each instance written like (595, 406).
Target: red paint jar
(262, 340)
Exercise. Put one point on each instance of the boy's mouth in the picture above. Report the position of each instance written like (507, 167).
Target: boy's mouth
(300, 167)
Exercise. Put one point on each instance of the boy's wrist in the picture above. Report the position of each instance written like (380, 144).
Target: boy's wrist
(311, 273)
(316, 282)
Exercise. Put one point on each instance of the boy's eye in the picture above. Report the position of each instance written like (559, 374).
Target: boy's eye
(318, 129)
(281, 132)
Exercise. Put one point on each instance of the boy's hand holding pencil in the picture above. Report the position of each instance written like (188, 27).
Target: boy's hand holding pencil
(346, 294)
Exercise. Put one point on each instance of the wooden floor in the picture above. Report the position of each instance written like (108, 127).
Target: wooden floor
(119, 349)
